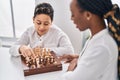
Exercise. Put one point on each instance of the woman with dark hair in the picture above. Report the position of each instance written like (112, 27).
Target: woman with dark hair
(99, 58)
(43, 34)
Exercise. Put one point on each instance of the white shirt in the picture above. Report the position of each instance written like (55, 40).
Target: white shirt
(98, 59)
(55, 39)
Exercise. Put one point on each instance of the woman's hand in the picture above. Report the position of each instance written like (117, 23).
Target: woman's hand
(72, 64)
(26, 51)
(68, 57)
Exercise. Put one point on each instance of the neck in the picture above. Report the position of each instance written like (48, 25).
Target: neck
(97, 24)
(97, 30)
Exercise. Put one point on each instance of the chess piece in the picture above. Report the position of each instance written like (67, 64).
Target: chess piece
(37, 63)
(52, 60)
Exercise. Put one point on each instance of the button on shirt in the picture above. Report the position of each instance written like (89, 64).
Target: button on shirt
(55, 39)
(97, 61)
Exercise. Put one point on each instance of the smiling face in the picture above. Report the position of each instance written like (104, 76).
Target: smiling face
(42, 23)
(79, 16)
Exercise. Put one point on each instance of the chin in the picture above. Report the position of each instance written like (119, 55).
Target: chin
(81, 29)
(78, 28)
(43, 33)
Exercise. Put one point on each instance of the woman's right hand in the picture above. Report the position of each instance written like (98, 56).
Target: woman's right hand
(68, 57)
(26, 51)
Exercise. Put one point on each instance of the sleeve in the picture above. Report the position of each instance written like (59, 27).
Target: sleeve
(90, 65)
(64, 46)
(24, 40)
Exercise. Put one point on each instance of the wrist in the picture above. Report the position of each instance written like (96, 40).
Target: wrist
(20, 49)
(76, 56)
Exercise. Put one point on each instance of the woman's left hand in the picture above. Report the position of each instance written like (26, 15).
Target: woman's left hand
(72, 64)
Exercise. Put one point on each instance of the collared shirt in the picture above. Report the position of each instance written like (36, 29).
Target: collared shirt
(55, 39)
(98, 59)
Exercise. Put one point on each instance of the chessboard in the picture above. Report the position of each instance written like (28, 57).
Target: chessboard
(44, 61)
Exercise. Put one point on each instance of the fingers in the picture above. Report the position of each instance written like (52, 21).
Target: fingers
(68, 57)
(65, 56)
(26, 51)
(72, 65)
(32, 53)
(23, 53)
(67, 60)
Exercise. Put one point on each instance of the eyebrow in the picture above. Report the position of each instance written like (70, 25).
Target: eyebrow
(42, 21)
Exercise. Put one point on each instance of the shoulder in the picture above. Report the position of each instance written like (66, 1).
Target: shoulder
(57, 30)
(104, 42)
(30, 30)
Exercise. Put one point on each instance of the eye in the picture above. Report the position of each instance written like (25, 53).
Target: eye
(46, 24)
(38, 23)
(72, 15)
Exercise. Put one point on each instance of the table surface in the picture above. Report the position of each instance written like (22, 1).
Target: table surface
(11, 68)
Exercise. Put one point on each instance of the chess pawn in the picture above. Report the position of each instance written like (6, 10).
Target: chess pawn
(37, 63)
(40, 53)
(32, 63)
(49, 52)
(52, 59)
(48, 60)
(41, 61)
(36, 51)
(44, 52)
(29, 64)
(27, 59)
(33, 66)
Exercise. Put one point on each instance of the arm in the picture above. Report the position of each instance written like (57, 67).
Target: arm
(64, 46)
(24, 40)
(71, 59)
(90, 65)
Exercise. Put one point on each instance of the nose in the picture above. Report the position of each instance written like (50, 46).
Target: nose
(41, 27)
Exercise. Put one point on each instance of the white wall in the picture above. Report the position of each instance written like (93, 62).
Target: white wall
(116, 2)
(5, 19)
(23, 14)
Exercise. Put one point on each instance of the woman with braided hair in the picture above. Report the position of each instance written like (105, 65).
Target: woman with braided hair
(99, 58)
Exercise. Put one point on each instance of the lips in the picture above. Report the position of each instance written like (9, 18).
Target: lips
(42, 30)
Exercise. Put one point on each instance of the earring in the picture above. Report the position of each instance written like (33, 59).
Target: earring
(88, 18)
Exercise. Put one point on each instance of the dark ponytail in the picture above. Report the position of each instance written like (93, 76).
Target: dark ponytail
(113, 20)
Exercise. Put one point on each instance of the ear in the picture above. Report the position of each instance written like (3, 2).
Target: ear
(88, 15)
(33, 19)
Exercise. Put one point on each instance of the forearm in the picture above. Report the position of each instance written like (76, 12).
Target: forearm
(14, 50)
(62, 50)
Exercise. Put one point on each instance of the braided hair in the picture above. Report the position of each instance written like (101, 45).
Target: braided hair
(44, 8)
(106, 10)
